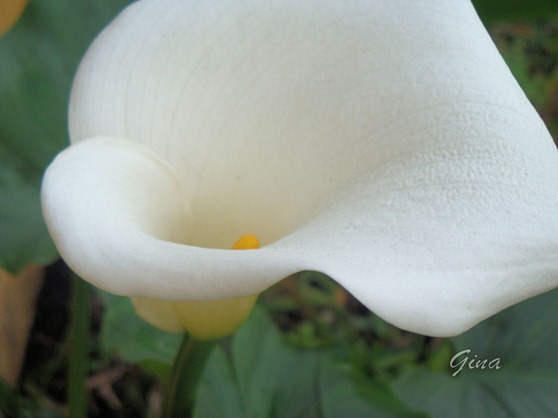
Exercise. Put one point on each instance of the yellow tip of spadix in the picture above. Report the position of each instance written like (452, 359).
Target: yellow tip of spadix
(247, 242)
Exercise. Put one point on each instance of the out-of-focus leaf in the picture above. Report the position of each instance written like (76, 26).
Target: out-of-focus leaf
(531, 52)
(8, 398)
(534, 88)
(135, 340)
(346, 395)
(254, 373)
(261, 376)
(219, 394)
(525, 339)
(23, 235)
(13, 405)
(274, 379)
(492, 11)
(39, 57)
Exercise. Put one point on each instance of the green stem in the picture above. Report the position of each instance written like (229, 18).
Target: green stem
(187, 370)
(79, 348)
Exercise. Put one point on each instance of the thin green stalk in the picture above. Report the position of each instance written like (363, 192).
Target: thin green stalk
(180, 398)
(80, 334)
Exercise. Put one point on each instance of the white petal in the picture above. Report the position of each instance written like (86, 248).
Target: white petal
(120, 218)
(384, 143)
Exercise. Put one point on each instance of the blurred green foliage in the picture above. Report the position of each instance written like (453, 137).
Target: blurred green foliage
(255, 373)
(39, 57)
(523, 339)
(531, 52)
(496, 11)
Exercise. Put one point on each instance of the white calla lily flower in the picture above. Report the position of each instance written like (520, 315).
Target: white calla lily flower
(384, 143)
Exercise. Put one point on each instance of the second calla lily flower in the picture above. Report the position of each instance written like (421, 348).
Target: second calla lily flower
(384, 143)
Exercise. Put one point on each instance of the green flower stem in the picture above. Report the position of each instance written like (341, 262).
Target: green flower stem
(80, 334)
(180, 398)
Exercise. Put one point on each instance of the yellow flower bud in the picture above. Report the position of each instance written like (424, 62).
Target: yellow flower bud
(10, 12)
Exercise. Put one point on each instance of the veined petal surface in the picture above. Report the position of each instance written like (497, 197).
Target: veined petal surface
(384, 143)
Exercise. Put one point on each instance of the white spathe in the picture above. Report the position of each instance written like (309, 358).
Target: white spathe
(384, 143)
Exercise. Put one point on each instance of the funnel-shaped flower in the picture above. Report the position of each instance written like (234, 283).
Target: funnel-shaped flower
(384, 143)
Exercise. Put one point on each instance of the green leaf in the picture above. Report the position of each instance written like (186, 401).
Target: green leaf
(133, 339)
(39, 58)
(14, 405)
(525, 340)
(8, 398)
(24, 237)
(346, 395)
(260, 376)
(219, 394)
(274, 379)
(492, 11)
(536, 88)
(254, 374)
